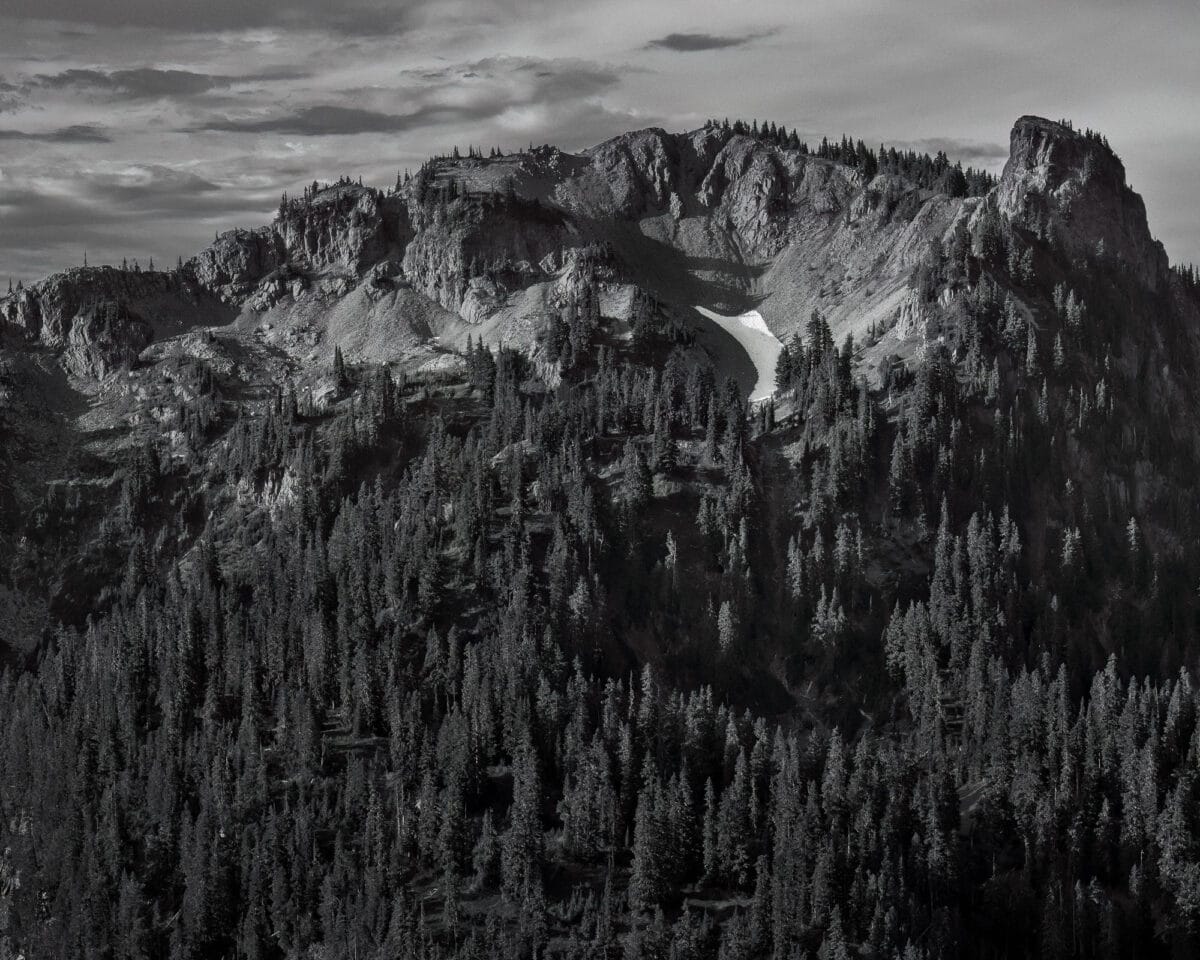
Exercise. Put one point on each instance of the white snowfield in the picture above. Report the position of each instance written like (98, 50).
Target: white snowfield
(751, 332)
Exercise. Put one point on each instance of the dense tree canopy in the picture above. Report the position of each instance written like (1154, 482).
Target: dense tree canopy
(610, 664)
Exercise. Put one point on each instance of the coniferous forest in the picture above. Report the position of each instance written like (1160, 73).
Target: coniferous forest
(573, 652)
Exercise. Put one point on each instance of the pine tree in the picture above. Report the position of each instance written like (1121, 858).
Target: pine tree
(340, 377)
(637, 482)
(648, 881)
(485, 857)
(521, 851)
(726, 627)
(1060, 354)
(711, 849)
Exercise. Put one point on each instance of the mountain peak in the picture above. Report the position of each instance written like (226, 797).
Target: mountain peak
(1056, 151)
(1072, 183)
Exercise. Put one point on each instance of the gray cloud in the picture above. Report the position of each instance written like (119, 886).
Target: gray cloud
(971, 152)
(42, 227)
(154, 188)
(346, 16)
(34, 213)
(78, 133)
(143, 212)
(560, 78)
(325, 121)
(147, 83)
(697, 42)
(131, 84)
(12, 96)
(499, 83)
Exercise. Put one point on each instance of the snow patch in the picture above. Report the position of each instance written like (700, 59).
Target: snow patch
(755, 337)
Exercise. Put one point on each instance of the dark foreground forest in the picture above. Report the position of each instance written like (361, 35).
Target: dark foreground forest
(574, 653)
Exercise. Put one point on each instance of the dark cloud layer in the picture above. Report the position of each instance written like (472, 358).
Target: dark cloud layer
(971, 152)
(78, 133)
(147, 83)
(149, 187)
(355, 17)
(323, 121)
(12, 97)
(499, 83)
(138, 212)
(698, 42)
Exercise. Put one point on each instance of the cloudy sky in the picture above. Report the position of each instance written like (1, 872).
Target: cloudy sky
(138, 127)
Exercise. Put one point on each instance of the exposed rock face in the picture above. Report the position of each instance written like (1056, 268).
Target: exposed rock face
(483, 297)
(1078, 184)
(753, 188)
(706, 217)
(737, 184)
(502, 236)
(103, 338)
(641, 171)
(730, 221)
(102, 317)
(236, 261)
(46, 310)
(345, 226)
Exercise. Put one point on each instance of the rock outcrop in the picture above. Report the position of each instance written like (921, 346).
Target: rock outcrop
(101, 317)
(104, 337)
(502, 237)
(706, 217)
(1075, 184)
(46, 310)
(236, 261)
(347, 226)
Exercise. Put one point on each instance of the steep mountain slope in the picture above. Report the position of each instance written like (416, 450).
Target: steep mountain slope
(693, 217)
(411, 577)
(711, 218)
(503, 250)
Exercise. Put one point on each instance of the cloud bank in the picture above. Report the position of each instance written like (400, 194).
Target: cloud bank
(698, 42)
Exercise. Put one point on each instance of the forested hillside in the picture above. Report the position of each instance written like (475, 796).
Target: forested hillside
(562, 648)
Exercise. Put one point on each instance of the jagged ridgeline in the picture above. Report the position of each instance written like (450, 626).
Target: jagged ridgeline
(414, 577)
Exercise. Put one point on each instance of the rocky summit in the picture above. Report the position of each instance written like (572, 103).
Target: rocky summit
(710, 218)
(706, 545)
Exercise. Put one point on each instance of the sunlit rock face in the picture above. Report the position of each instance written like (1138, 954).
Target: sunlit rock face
(1074, 184)
(706, 217)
